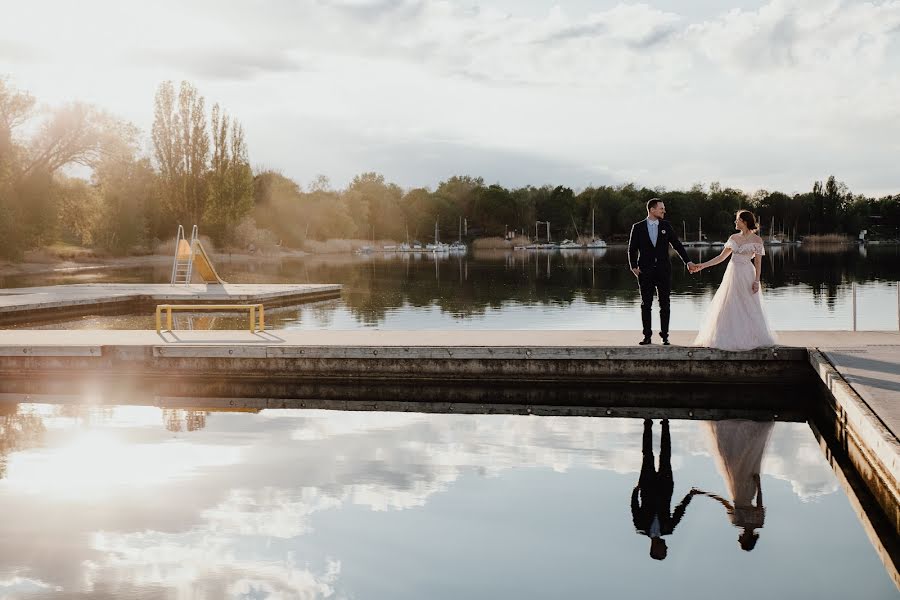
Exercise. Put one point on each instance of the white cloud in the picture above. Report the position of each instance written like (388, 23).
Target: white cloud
(654, 94)
(200, 566)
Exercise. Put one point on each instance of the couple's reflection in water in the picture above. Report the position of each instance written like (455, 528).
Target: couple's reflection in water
(651, 499)
(738, 447)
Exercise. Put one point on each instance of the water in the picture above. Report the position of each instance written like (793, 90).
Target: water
(804, 289)
(141, 502)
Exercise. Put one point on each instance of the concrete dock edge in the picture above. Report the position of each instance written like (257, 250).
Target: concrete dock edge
(871, 447)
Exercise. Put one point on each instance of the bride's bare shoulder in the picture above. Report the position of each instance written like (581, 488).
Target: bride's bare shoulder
(756, 238)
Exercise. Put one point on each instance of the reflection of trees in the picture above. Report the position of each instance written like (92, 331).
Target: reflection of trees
(465, 286)
(19, 430)
(177, 419)
(825, 268)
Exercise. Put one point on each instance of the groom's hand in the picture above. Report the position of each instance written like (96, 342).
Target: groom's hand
(636, 271)
(691, 267)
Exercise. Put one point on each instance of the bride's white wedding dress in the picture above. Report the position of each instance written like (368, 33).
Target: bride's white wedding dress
(738, 447)
(735, 319)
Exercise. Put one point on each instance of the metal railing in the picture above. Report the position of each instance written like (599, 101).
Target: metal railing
(178, 237)
(853, 303)
(183, 268)
(190, 266)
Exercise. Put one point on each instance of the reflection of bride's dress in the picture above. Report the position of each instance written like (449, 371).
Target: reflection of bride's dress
(735, 319)
(738, 447)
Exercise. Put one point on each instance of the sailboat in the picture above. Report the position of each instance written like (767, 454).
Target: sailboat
(570, 244)
(700, 241)
(437, 246)
(458, 247)
(405, 247)
(772, 241)
(595, 241)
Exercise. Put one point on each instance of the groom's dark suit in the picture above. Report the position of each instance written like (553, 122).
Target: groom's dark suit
(656, 269)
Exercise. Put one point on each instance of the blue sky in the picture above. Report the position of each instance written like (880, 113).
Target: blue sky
(768, 94)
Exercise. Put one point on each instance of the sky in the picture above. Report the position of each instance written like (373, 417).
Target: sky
(754, 94)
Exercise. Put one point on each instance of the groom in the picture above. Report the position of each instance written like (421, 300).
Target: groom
(648, 257)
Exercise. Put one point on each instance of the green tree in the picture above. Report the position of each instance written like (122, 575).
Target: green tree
(230, 178)
(375, 205)
(130, 215)
(181, 149)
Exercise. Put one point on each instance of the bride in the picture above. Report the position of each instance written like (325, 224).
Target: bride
(735, 319)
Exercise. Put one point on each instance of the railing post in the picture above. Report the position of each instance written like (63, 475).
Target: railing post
(178, 237)
(853, 286)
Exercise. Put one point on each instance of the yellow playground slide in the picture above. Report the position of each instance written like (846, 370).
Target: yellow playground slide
(202, 264)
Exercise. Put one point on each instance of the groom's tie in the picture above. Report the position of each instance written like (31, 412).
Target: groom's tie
(653, 228)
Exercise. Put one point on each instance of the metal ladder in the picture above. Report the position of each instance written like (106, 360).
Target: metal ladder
(183, 266)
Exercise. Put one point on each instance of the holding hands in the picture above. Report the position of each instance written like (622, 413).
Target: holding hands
(694, 268)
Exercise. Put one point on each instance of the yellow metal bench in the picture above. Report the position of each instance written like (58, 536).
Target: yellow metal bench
(254, 309)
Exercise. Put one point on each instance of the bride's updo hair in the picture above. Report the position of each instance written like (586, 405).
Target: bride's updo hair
(747, 217)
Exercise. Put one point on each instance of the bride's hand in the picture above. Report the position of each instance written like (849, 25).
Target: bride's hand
(755, 287)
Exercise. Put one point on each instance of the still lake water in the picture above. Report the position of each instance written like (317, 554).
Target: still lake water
(143, 502)
(804, 289)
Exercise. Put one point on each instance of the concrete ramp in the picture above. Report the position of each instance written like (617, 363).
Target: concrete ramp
(203, 265)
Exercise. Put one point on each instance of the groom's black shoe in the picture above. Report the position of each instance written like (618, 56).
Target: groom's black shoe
(665, 339)
(645, 341)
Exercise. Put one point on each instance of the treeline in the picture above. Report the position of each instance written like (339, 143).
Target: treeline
(371, 207)
(198, 172)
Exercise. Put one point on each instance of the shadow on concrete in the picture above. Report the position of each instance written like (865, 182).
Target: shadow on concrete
(257, 337)
(872, 382)
(855, 361)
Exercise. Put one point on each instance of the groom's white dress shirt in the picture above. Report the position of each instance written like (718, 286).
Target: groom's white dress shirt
(653, 228)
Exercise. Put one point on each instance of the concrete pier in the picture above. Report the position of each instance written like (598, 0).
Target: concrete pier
(19, 305)
(373, 356)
